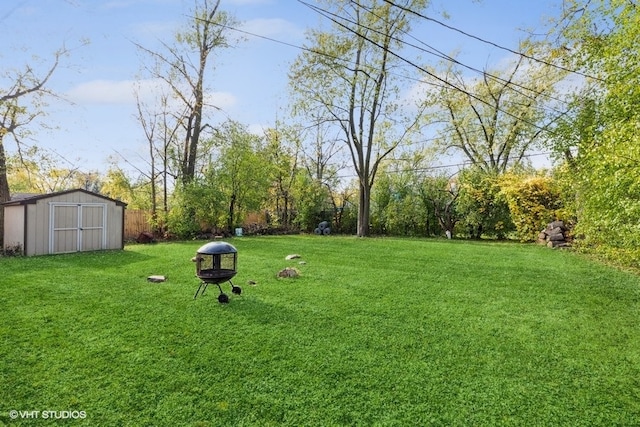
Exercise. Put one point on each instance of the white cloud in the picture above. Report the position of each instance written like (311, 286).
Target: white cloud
(123, 92)
(272, 27)
(222, 100)
(103, 92)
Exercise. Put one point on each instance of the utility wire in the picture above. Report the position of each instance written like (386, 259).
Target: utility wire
(443, 85)
(325, 54)
(461, 164)
(433, 51)
(336, 20)
(444, 82)
(406, 9)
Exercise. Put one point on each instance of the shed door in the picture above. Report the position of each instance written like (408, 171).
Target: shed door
(77, 227)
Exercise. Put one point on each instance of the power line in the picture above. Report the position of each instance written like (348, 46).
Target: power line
(447, 166)
(324, 54)
(335, 19)
(406, 9)
(436, 52)
(444, 83)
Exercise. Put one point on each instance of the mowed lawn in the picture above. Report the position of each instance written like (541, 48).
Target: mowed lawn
(375, 332)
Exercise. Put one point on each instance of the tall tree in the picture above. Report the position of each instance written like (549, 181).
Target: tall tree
(22, 102)
(183, 66)
(345, 77)
(323, 158)
(150, 124)
(496, 119)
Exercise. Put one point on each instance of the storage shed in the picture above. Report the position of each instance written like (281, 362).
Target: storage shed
(67, 221)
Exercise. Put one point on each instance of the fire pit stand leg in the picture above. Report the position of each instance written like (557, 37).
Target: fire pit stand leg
(235, 289)
(205, 284)
(223, 298)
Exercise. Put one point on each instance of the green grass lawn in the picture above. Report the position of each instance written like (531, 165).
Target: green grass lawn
(388, 332)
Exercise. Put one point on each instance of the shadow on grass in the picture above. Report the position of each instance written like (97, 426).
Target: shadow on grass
(252, 310)
(107, 258)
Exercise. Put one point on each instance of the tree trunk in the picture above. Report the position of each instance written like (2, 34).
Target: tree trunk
(364, 210)
(285, 213)
(232, 208)
(154, 190)
(5, 195)
(165, 195)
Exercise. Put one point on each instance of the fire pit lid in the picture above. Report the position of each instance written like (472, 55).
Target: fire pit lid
(217, 248)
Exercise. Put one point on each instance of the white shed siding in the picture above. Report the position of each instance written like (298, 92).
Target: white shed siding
(14, 226)
(115, 230)
(37, 222)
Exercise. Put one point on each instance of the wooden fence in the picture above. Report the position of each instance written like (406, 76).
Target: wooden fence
(136, 221)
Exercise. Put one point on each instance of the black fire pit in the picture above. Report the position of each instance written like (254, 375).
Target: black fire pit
(216, 263)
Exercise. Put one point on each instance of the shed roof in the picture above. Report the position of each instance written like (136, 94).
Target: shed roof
(25, 199)
(21, 196)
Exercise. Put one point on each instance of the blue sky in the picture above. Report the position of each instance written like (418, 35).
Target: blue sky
(250, 82)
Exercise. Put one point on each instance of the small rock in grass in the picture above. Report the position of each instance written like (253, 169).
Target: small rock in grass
(156, 279)
(289, 272)
(292, 256)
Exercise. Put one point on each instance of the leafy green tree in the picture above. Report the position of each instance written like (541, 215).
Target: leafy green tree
(310, 201)
(235, 181)
(439, 194)
(496, 119)
(601, 136)
(241, 173)
(534, 201)
(39, 171)
(397, 208)
(344, 78)
(194, 207)
(481, 204)
(117, 184)
(345, 219)
(282, 152)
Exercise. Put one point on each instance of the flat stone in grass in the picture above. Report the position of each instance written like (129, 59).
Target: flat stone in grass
(292, 256)
(156, 279)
